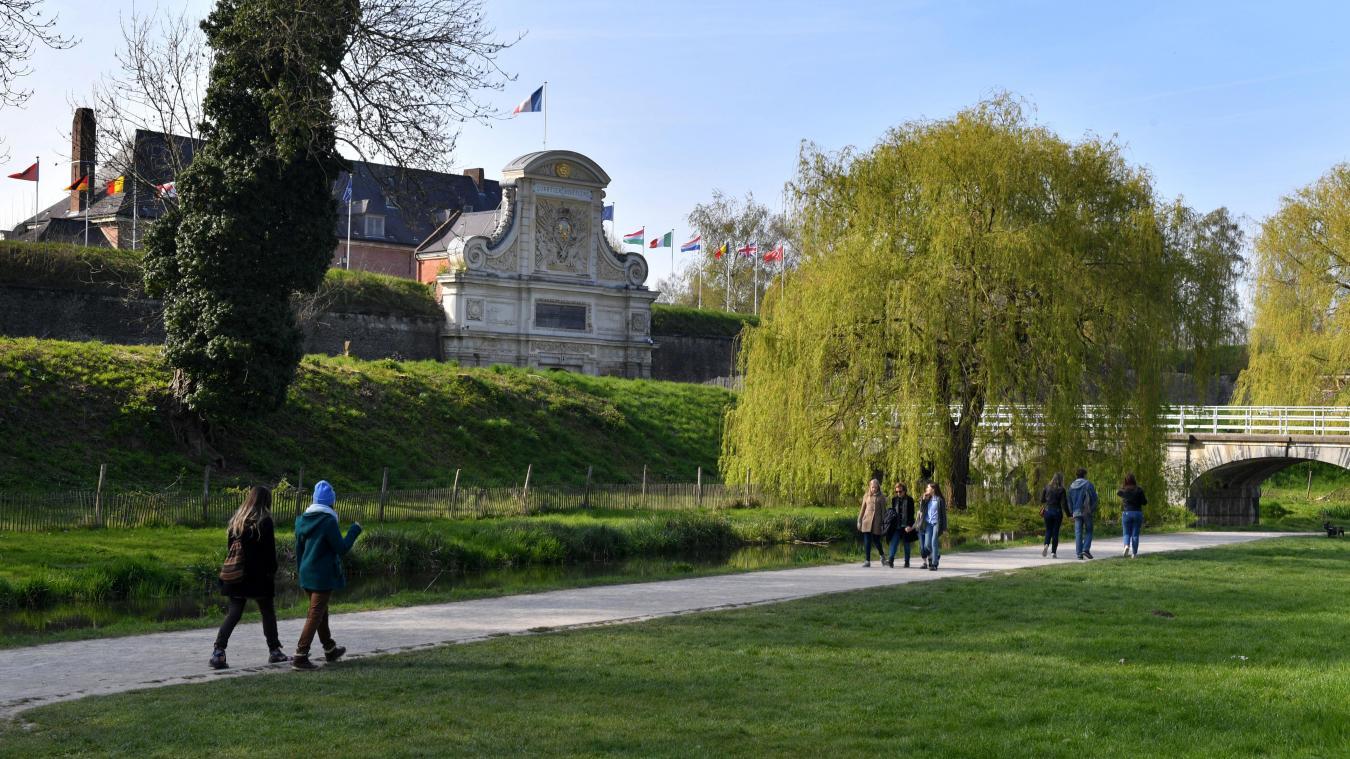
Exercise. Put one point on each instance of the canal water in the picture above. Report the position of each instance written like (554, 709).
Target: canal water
(435, 586)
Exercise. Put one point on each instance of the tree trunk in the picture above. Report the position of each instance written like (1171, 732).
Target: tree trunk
(191, 429)
(961, 440)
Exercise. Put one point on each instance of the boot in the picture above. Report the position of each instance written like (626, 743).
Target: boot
(218, 659)
(302, 664)
(277, 656)
(333, 652)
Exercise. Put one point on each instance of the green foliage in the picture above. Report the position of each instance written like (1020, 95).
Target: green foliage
(67, 407)
(958, 264)
(687, 321)
(257, 217)
(364, 292)
(1300, 336)
(70, 267)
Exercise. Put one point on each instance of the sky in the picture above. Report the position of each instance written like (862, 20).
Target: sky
(1225, 103)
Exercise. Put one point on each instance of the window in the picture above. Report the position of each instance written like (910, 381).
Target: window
(374, 226)
(560, 316)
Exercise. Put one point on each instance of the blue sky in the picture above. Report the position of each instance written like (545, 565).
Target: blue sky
(1225, 103)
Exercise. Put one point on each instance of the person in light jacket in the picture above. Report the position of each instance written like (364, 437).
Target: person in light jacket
(1132, 500)
(871, 522)
(319, 548)
(932, 522)
(1083, 505)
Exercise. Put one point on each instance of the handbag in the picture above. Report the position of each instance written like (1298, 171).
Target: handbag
(233, 568)
(888, 520)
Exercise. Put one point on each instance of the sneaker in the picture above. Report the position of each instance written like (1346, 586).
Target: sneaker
(1134, 556)
(925, 563)
(932, 567)
(334, 653)
(1053, 556)
(1087, 554)
(1080, 557)
(866, 564)
(1045, 550)
(277, 657)
(906, 564)
(218, 659)
(303, 664)
(1127, 551)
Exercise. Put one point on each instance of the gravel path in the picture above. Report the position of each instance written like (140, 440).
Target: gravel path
(63, 671)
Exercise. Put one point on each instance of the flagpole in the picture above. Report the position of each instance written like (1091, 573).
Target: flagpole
(37, 181)
(545, 104)
(135, 207)
(755, 281)
(347, 260)
(730, 257)
(672, 254)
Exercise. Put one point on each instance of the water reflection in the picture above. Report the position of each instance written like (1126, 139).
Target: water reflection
(210, 607)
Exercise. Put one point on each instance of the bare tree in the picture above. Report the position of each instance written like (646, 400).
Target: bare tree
(22, 28)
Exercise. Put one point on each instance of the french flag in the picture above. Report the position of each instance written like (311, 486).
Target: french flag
(532, 104)
(692, 245)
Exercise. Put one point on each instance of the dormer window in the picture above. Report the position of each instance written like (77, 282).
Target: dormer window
(374, 226)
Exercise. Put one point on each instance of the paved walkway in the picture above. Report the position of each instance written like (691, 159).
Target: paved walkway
(63, 671)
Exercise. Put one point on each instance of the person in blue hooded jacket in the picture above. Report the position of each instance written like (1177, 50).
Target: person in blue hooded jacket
(319, 547)
(1083, 506)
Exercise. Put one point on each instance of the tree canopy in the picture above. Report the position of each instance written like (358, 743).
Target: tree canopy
(729, 283)
(957, 265)
(1300, 336)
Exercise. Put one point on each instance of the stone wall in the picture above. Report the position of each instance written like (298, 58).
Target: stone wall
(78, 315)
(689, 358)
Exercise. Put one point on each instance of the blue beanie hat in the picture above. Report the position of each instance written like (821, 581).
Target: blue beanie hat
(323, 494)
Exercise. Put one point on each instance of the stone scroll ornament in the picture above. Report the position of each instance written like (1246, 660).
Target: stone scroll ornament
(496, 252)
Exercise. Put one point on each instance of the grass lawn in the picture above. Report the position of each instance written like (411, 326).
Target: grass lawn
(1215, 653)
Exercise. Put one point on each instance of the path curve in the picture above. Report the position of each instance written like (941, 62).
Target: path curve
(63, 671)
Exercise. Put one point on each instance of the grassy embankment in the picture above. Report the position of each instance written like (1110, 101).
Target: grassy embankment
(1117, 658)
(1290, 501)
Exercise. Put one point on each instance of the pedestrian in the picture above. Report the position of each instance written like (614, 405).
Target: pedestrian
(1083, 505)
(1132, 513)
(319, 547)
(932, 522)
(871, 522)
(1053, 499)
(250, 571)
(902, 528)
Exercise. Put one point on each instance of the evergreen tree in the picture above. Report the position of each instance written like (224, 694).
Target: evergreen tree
(257, 217)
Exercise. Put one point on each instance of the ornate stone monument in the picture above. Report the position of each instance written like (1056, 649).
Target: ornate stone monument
(536, 282)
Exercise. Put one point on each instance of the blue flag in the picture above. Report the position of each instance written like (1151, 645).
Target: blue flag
(347, 193)
(607, 213)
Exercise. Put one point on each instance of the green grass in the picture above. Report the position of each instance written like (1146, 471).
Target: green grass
(67, 407)
(1215, 653)
(70, 267)
(364, 292)
(684, 320)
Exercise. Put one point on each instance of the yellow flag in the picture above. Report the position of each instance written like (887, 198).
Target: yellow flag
(116, 186)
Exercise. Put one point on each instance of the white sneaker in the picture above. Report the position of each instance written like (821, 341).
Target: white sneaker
(1045, 550)
(866, 564)
(1127, 551)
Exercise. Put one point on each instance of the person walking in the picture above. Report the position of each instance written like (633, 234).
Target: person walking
(319, 548)
(1133, 501)
(1053, 500)
(250, 571)
(902, 529)
(871, 522)
(932, 522)
(1083, 505)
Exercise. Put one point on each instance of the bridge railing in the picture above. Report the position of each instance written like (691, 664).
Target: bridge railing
(1318, 421)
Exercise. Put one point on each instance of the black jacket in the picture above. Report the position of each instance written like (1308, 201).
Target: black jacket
(1132, 498)
(1054, 498)
(260, 563)
(904, 512)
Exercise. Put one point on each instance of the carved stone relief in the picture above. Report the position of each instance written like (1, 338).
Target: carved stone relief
(473, 309)
(563, 230)
(637, 322)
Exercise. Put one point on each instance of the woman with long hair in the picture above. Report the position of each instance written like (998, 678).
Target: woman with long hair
(1053, 500)
(1132, 500)
(250, 572)
(872, 522)
(932, 521)
(903, 528)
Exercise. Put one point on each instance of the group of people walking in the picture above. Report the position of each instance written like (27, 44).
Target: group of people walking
(901, 522)
(250, 569)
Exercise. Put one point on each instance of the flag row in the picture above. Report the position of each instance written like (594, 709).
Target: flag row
(749, 250)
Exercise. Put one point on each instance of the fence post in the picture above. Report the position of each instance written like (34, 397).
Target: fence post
(644, 486)
(454, 494)
(206, 494)
(525, 492)
(384, 490)
(586, 500)
(698, 490)
(98, 495)
(299, 491)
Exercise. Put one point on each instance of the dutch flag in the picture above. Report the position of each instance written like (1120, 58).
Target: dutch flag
(692, 245)
(532, 104)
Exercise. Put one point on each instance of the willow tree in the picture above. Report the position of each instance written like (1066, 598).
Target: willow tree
(1300, 337)
(958, 265)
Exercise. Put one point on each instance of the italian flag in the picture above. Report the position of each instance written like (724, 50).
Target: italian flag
(636, 238)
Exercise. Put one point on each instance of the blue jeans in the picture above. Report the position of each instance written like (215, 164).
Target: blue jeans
(1082, 534)
(1130, 524)
(897, 538)
(870, 540)
(930, 541)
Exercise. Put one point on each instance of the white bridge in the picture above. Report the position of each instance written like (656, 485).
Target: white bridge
(1218, 456)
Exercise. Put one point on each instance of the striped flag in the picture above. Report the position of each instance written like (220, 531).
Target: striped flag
(532, 104)
(721, 251)
(79, 185)
(117, 186)
(692, 245)
(636, 238)
(665, 241)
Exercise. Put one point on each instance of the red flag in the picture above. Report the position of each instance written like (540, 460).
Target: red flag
(29, 174)
(774, 255)
(721, 251)
(656, 242)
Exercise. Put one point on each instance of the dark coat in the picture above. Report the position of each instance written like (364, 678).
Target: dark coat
(904, 512)
(319, 548)
(259, 548)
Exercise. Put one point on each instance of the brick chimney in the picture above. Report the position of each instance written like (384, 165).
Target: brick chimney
(81, 154)
(476, 175)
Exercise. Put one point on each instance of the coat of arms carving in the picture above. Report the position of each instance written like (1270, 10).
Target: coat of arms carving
(563, 230)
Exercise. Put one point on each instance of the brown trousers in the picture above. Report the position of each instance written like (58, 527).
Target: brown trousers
(315, 621)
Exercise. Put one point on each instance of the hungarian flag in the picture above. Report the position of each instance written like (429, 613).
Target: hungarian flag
(749, 250)
(29, 174)
(532, 104)
(117, 186)
(664, 241)
(636, 238)
(721, 251)
(79, 185)
(692, 245)
(774, 255)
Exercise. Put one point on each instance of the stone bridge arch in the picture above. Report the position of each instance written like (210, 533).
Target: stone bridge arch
(1219, 476)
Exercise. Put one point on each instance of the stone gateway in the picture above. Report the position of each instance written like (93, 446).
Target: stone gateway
(536, 282)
